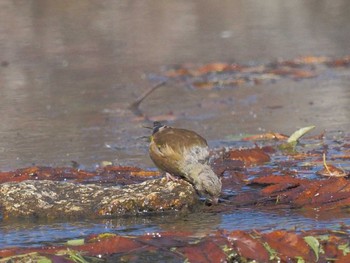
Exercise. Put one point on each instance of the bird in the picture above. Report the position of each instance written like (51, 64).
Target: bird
(184, 153)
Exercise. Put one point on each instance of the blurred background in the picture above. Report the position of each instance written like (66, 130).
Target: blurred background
(69, 69)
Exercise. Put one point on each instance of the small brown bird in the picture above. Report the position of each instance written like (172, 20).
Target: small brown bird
(184, 153)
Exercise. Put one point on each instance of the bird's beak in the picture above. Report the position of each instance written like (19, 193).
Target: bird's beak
(212, 201)
(215, 201)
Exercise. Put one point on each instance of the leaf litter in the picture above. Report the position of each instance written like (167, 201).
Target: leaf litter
(222, 74)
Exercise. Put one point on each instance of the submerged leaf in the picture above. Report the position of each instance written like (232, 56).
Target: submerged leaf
(248, 156)
(73, 255)
(273, 253)
(314, 244)
(345, 248)
(75, 242)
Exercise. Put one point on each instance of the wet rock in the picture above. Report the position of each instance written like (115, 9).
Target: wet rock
(52, 199)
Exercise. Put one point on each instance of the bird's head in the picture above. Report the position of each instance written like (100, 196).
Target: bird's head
(157, 126)
(206, 182)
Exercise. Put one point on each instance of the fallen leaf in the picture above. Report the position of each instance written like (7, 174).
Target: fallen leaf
(248, 156)
(248, 246)
(341, 62)
(330, 170)
(266, 137)
(314, 244)
(288, 245)
(303, 74)
(312, 60)
(299, 133)
(213, 67)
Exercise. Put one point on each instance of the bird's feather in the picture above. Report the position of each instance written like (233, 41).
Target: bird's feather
(171, 149)
(184, 153)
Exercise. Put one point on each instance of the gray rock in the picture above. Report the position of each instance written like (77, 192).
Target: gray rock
(53, 199)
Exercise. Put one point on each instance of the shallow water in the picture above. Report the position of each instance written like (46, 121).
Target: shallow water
(69, 69)
(41, 233)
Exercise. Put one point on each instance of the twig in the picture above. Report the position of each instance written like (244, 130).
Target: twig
(326, 166)
(134, 107)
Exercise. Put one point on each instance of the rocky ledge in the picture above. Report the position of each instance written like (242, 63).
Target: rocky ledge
(54, 199)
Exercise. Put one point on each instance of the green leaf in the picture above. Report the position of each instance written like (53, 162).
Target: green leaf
(314, 244)
(76, 256)
(75, 242)
(345, 248)
(292, 141)
(44, 260)
(288, 147)
(323, 237)
(273, 254)
(299, 133)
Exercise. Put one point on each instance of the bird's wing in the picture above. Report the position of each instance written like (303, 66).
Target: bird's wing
(174, 143)
(175, 150)
(176, 138)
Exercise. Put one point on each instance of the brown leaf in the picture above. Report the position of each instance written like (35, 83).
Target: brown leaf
(267, 136)
(248, 247)
(115, 244)
(213, 67)
(204, 85)
(342, 62)
(311, 60)
(206, 251)
(332, 171)
(44, 173)
(248, 156)
(289, 245)
(303, 74)
(322, 194)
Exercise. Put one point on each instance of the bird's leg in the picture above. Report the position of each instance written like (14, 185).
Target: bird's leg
(170, 177)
